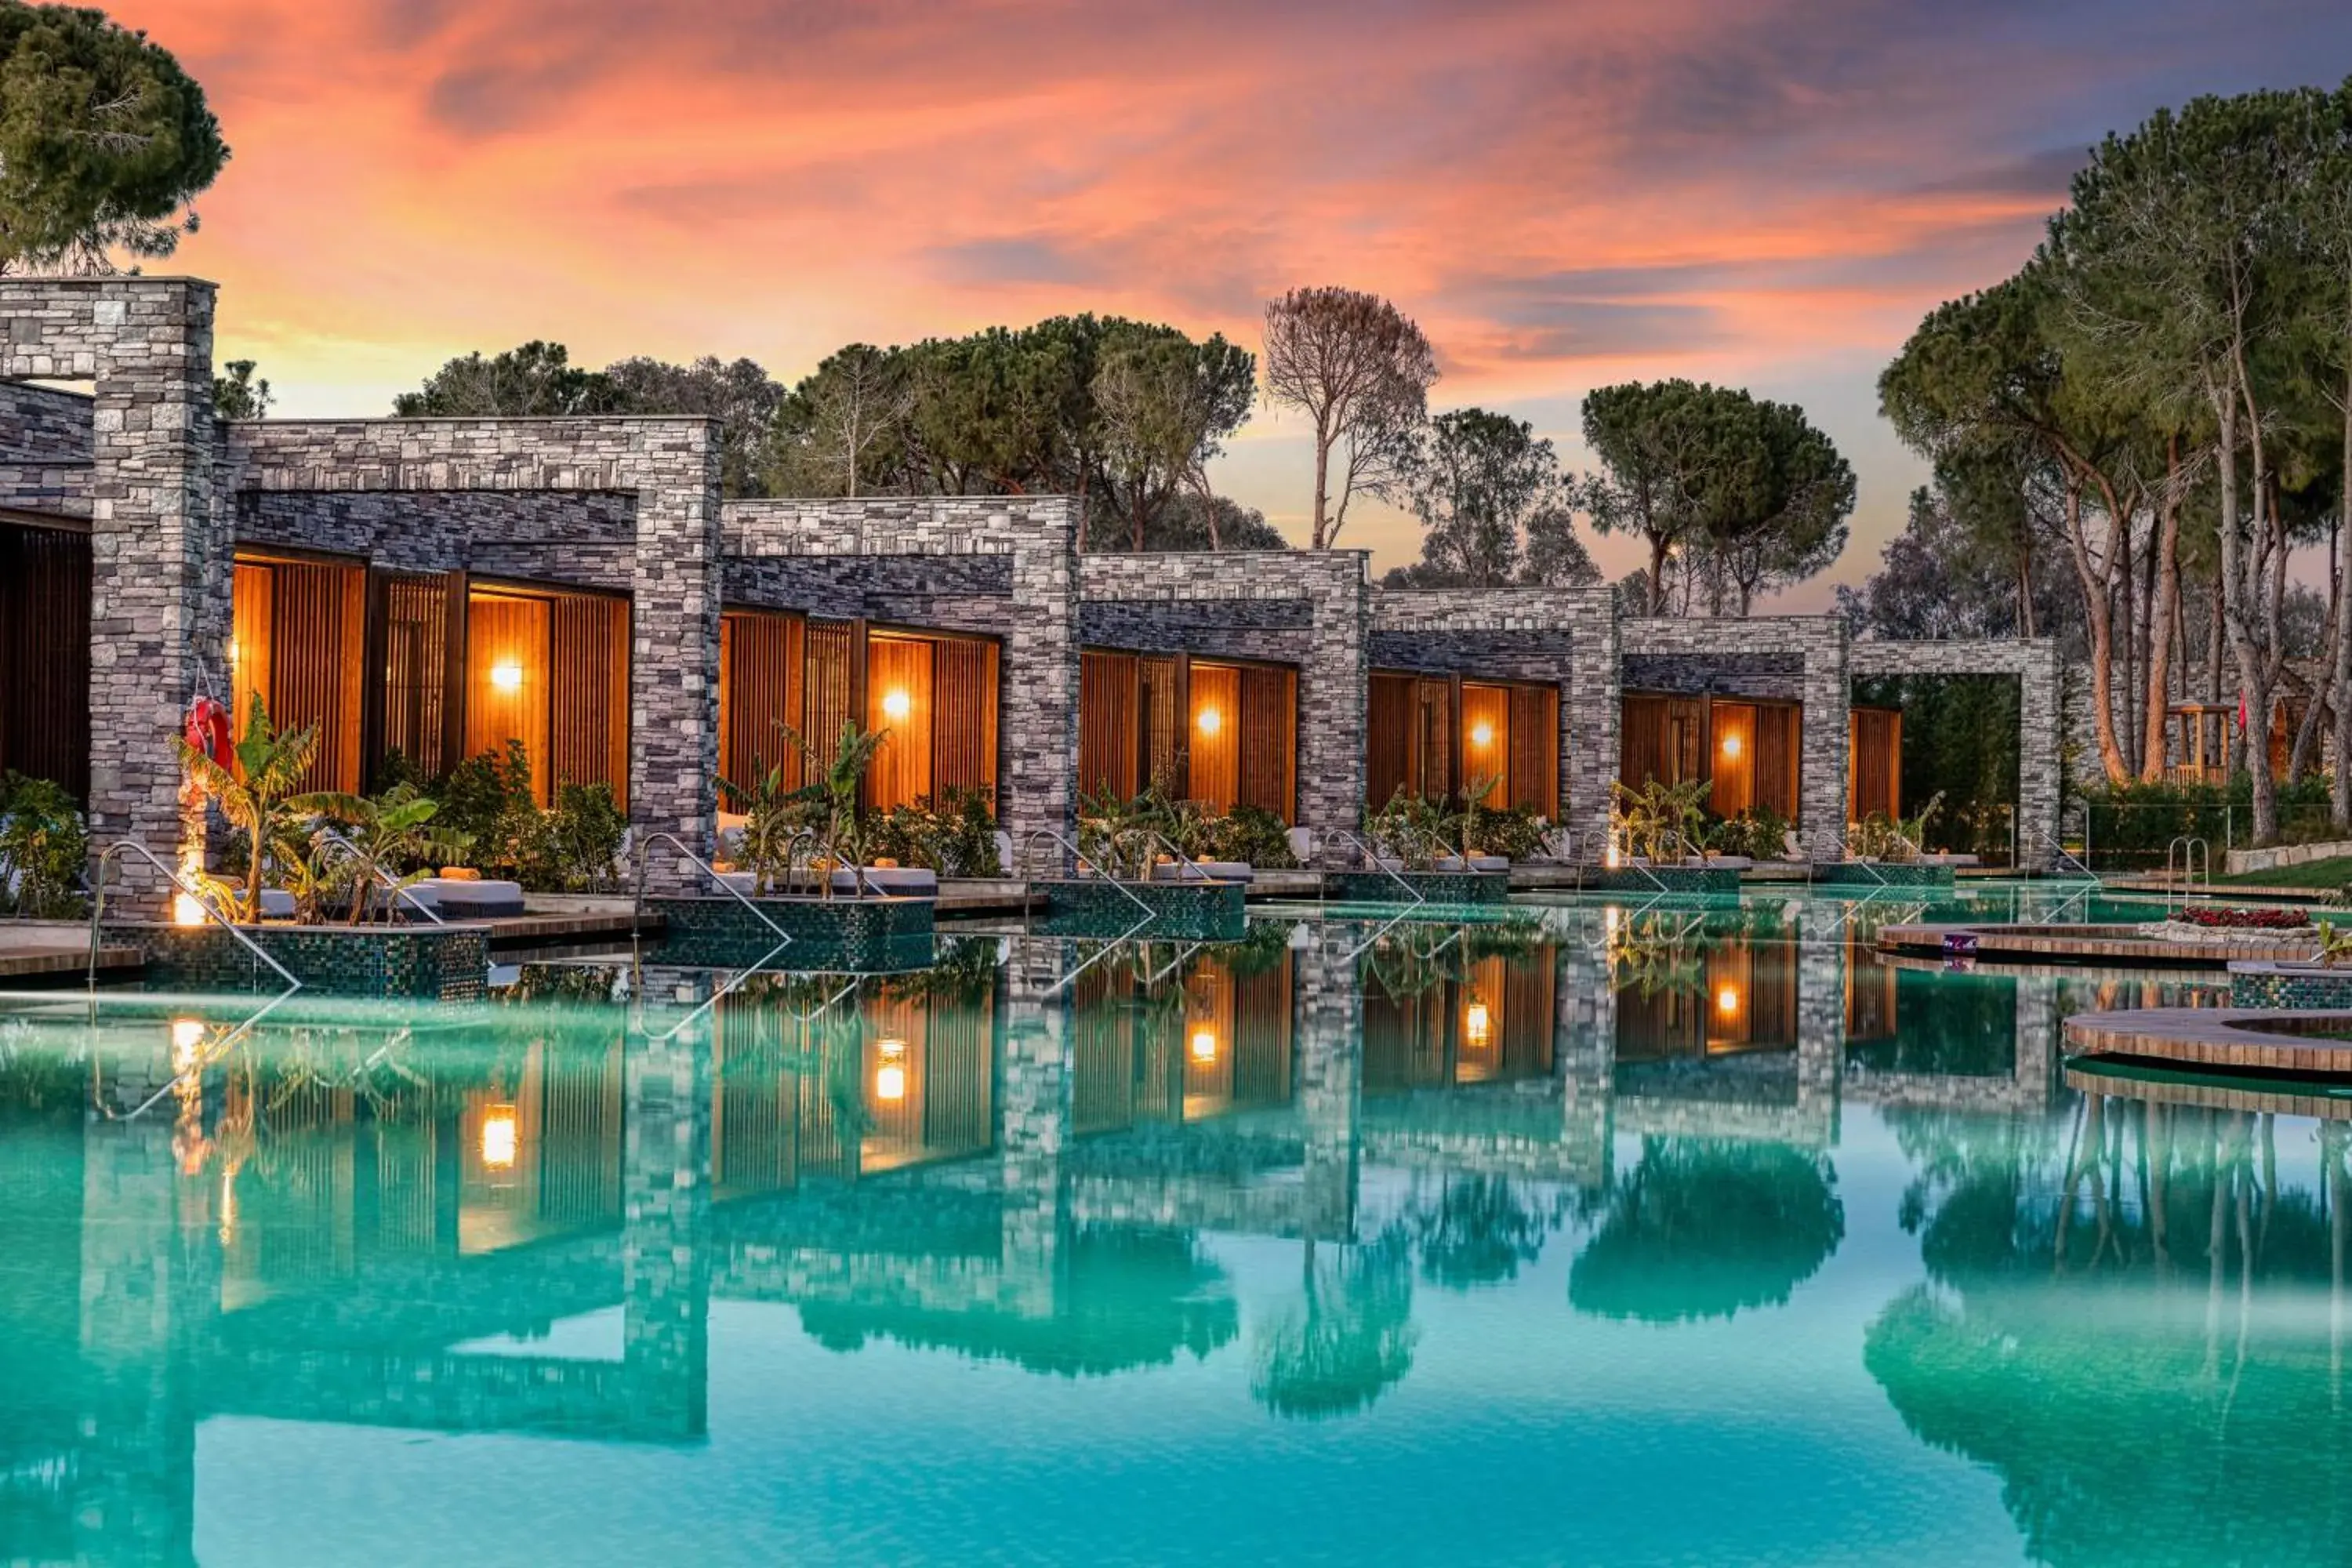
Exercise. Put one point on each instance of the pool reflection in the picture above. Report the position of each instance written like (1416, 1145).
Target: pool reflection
(516, 1218)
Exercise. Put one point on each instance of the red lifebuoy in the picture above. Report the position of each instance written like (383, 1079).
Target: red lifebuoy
(207, 728)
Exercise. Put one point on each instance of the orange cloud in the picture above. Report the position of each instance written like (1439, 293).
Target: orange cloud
(1561, 193)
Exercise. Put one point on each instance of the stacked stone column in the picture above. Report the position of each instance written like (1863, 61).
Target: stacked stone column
(666, 1232)
(160, 558)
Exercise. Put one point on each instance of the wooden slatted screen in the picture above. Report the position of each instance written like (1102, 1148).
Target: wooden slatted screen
(960, 1068)
(1208, 1017)
(252, 638)
(1262, 1039)
(1535, 749)
(1733, 760)
(1486, 713)
(1874, 763)
(899, 668)
(1434, 763)
(417, 653)
(761, 669)
(965, 687)
(507, 637)
(1660, 738)
(825, 688)
(1266, 767)
(588, 693)
(1215, 735)
(1392, 738)
(45, 585)
(318, 615)
(1780, 758)
(1159, 678)
(1529, 1004)
(1102, 1049)
(1110, 723)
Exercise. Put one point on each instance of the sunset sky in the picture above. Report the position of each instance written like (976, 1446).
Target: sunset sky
(1561, 193)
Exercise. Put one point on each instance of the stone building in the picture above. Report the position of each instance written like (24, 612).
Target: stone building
(575, 590)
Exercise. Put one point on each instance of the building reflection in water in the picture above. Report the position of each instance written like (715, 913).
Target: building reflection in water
(420, 1223)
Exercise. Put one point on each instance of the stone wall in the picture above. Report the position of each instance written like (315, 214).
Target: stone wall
(1263, 596)
(583, 539)
(939, 561)
(670, 468)
(1567, 638)
(1759, 649)
(2041, 720)
(159, 553)
(45, 448)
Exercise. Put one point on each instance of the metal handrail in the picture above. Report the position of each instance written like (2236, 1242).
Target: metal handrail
(1847, 857)
(637, 913)
(1372, 862)
(195, 893)
(2189, 846)
(2060, 851)
(1029, 845)
(391, 884)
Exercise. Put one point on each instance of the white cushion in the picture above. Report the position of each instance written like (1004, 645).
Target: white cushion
(1207, 870)
(1302, 844)
(461, 899)
(277, 904)
(900, 881)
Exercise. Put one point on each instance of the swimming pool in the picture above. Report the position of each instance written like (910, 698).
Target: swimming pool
(1610, 1233)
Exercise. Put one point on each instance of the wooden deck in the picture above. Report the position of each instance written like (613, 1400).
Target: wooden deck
(2222, 1039)
(2091, 944)
(39, 962)
(2325, 1102)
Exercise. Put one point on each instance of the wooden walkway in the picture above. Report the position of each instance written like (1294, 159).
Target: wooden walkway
(2218, 1037)
(2091, 944)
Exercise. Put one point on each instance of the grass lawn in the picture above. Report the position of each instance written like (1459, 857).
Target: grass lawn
(2324, 876)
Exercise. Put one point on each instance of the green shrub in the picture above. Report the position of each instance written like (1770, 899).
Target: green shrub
(1515, 832)
(1755, 835)
(957, 838)
(45, 844)
(1252, 835)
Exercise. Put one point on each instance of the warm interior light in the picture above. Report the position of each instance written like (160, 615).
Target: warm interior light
(1482, 733)
(1726, 1001)
(895, 705)
(1731, 745)
(506, 676)
(187, 910)
(891, 1081)
(1205, 1046)
(1210, 720)
(1477, 1023)
(501, 1133)
(1611, 918)
(187, 1035)
(1615, 857)
(236, 653)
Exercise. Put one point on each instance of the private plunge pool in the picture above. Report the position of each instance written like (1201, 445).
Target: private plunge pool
(1603, 1234)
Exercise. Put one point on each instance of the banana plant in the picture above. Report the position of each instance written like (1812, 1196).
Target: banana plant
(257, 795)
(774, 817)
(384, 834)
(837, 779)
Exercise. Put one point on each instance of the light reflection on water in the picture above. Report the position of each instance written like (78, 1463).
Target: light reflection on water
(1670, 1233)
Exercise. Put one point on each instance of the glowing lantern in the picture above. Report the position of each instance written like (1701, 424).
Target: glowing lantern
(1210, 720)
(506, 676)
(502, 1135)
(187, 910)
(1726, 1001)
(890, 1078)
(897, 706)
(1731, 745)
(1482, 733)
(1205, 1046)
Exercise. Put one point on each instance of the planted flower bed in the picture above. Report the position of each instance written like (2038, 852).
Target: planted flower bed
(2208, 925)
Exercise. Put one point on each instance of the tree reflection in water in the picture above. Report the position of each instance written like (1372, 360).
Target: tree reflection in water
(2138, 1328)
(1478, 1230)
(1703, 1228)
(1351, 1339)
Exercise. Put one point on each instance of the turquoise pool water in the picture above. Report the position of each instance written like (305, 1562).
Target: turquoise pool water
(1609, 1234)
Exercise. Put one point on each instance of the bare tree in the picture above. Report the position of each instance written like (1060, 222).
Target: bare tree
(1361, 371)
(837, 420)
